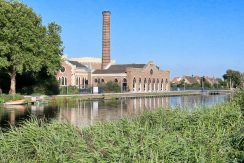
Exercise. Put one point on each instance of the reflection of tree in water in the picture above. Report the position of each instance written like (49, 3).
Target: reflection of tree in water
(17, 115)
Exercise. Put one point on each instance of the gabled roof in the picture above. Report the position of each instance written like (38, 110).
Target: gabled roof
(190, 79)
(121, 68)
(77, 64)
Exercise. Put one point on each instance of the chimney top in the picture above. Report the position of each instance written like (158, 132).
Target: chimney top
(106, 12)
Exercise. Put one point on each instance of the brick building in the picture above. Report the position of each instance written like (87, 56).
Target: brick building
(91, 72)
(134, 77)
(74, 73)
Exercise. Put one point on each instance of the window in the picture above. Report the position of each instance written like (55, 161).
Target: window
(62, 69)
(63, 81)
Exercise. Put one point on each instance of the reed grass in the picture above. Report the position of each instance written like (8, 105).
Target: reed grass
(7, 97)
(208, 135)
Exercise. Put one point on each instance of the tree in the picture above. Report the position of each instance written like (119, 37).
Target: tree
(25, 44)
(110, 87)
(233, 78)
(242, 80)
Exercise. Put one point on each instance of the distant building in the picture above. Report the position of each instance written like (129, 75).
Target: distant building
(89, 71)
(194, 80)
(185, 79)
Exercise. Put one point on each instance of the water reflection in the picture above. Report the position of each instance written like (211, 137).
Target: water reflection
(83, 113)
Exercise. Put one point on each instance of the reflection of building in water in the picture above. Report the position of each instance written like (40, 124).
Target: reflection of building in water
(88, 112)
(138, 105)
(12, 117)
(12, 113)
(37, 110)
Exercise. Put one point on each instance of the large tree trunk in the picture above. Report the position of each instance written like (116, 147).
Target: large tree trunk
(12, 90)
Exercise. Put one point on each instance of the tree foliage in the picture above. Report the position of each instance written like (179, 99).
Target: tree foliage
(25, 44)
(233, 78)
(110, 87)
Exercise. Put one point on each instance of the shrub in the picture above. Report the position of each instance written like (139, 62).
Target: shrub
(6, 97)
(69, 90)
(110, 87)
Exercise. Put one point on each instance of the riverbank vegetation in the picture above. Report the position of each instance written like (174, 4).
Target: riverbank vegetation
(6, 97)
(110, 87)
(208, 135)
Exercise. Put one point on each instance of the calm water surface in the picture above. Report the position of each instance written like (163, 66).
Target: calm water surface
(84, 113)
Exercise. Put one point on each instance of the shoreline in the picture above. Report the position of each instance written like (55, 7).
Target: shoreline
(141, 94)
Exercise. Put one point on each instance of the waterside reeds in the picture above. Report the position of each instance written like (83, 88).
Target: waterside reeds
(7, 97)
(209, 135)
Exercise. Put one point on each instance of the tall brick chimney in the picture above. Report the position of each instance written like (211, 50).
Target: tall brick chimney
(106, 39)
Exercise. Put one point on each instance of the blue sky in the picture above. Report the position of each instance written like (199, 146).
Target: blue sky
(200, 37)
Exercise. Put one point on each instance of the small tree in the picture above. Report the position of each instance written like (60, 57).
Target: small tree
(25, 44)
(242, 80)
(110, 87)
(233, 78)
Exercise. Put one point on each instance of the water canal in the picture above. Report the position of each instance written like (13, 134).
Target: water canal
(84, 113)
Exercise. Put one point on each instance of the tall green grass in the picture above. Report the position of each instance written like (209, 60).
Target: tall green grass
(7, 97)
(209, 135)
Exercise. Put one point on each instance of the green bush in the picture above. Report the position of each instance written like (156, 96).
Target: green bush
(6, 97)
(110, 87)
(69, 90)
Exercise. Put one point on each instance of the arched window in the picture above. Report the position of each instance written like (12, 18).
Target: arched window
(116, 80)
(149, 84)
(102, 80)
(124, 85)
(166, 85)
(62, 83)
(62, 69)
(86, 82)
(98, 81)
(95, 80)
(158, 85)
(134, 84)
(65, 81)
(145, 83)
(134, 80)
(83, 82)
(154, 86)
(124, 80)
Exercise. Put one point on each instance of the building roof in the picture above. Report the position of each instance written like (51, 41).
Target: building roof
(176, 80)
(190, 79)
(121, 68)
(77, 64)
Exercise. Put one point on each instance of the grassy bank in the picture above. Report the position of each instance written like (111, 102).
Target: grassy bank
(208, 135)
(120, 95)
(7, 97)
